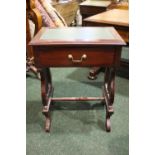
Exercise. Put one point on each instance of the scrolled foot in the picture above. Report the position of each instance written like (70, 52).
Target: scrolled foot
(108, 125)
(47, 124)
(47, 120)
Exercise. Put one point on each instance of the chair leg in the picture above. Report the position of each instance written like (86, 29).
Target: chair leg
(30, 67)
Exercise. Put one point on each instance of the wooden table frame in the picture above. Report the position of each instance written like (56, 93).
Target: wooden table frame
(47, 55)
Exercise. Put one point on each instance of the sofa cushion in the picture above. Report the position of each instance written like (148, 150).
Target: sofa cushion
(53, 14)
(46, 20)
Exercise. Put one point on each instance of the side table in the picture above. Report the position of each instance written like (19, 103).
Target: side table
(77, 47)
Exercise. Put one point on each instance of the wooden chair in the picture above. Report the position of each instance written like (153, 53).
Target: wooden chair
(31, 14)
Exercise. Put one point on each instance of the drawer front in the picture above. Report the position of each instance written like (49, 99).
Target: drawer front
(74, 57)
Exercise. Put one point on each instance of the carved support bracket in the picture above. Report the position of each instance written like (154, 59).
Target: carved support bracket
(109, 91)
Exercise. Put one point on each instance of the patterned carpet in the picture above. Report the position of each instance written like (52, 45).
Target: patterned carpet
(77, 127)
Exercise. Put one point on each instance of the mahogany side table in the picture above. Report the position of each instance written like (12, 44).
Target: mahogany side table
(77, 47)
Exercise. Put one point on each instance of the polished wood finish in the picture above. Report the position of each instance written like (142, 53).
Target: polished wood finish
(45, 58)
(34, 15)
(119, 5)
(80, 51)
(28, 38)
(92, 7)
(109, 91)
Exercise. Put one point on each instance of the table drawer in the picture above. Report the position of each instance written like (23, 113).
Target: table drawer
(74, 57)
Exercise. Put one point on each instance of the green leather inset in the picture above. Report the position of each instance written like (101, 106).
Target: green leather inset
(83, 34)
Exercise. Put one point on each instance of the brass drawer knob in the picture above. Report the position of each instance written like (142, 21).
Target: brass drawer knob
(83, 57)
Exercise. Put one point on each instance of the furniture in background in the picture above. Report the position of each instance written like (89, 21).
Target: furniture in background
(31, 14)
(121, 4)
(77, 47)
(92, 7)
(68, 10)
(39, 13)
(117, 18)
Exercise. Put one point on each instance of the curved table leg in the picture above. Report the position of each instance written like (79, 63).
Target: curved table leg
(46, 88)
(109, 92)
(108, 123)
